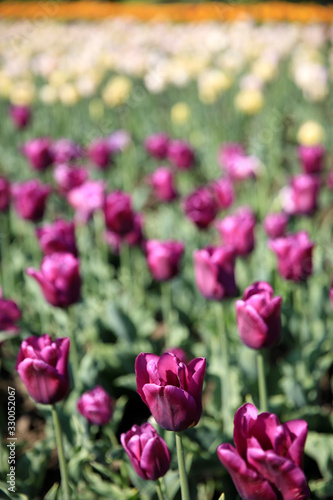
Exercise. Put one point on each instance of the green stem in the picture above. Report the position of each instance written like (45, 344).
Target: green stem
(160, 489)
(166, 308)
(262, 382)
(181, 467)
(61, 455)
(73, 350)
(6, 281)
(225, 389)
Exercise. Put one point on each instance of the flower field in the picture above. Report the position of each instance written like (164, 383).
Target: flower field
(166, 300)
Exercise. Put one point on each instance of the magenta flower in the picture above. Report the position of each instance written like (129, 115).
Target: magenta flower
(42, 364)
(20, 116)
(201, 207)
(4, 194)
(38, 152)
(171, 389)
(236, 163)
(156, 145)
(267, 461)
(294, 253)
(57, 237)
(162, 182)
(275, 224)
(133, 238)
(228, 152)
(331, 294)
(69, 177)
(30, 199)
(214, 270)
(119, 141)
(181, 154)
(224, 192)
(96, 406)
(118, 212)
(147, 451)
(9, 314)
(259, 316)
(86, 199)
(237, 230)
(311, 158)
(301, 196)
(65, 150)
(99, 152)
(163, 258)
(59, 279)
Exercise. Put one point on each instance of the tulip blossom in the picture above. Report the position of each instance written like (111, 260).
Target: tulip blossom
(38, 152)
(20, 116)
(96, 406)
(201, 207)
(86, 199)
(237, 230)
(4, 194)
(294, 254)
(119, 214)
(119, 141)
(238, 165)
(214, 269)
(163, 258)
(133, 238)
(147, 451)
(156, 145)
(42, 364)
(59, 279)
(30, 199)
(301, 196)
(275, 224)
(9, 314)
(228, 152)
(181, 154)
(266, 463)
(99, 152)
(57, 237)
(224, 193)
(311, 158)
(64, 150)
(162, 182)
(259, 316)
(171, 389)
(69, 177)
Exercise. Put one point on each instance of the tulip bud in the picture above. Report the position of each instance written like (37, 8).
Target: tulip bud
(69, 177)
(9, 314)
(59, 279)
(267, 461)
(42, 366)
(57, 237)
(237, 230)
(20, 116)
(64, 150)
(38, 152)
(99, 152)
(157, 145)
(30, 199)
(171, 389)
(163, 258)
(86, 199)
(162, 182)
(181, 154)
(300, 198)
(259, 316)
(224, 192)
(311, 158)
(275, 225)
(96, 406)
(147, 451)
(201, 207)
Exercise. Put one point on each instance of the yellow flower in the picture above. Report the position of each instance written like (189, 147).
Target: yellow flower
(22, 93)
(211, 84)
(68, 94)
(265, 70)
(180, 113)
(311, 133)
(48, 94)
(117, 90)
(249, 101)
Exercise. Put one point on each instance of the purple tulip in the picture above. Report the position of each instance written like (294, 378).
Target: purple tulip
(171, 389)
(147, 451)
(96, 406)
(214, 270)
(64, 150)
(57, 237)
(38, 152)
(224, 192)
(99, 152)
(20, 116)
(181, 154)
(179, 352)
(59, 279)
(301, 196)
(86, 199)
(275, 224)
(228, 152)
(30, 199)
(133, 238)
(237, 230)
(42, 364)
(119, 214)
(163, 258)
(201, 207)
(69, 177)
(331, 294)
(4, 194)
(294, 253)
(259, 316)
(236, 163)
(9, 314)
(311, 158)
(267, 461)
(156, 145)
(162, 182)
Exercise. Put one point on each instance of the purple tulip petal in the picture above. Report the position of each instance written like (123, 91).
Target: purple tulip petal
(41, 380)
(244, 420)
(252, 328)
(142, 376)
(155, 458)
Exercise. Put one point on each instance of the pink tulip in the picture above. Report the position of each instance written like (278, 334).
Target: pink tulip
(301, 196)
(38, 152)
(99, 152)
(201, 207)
(96, 406)
(65, 150)
(156, 145)
(311, 158)
(162, 182)
(163, 258)
(224, 192)
(237, 230)
(30, 199)
(57, 237)
(9, 314)
(181, 154)
(86, 199)
(20, 116)
(69, 177)
(275, 224)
